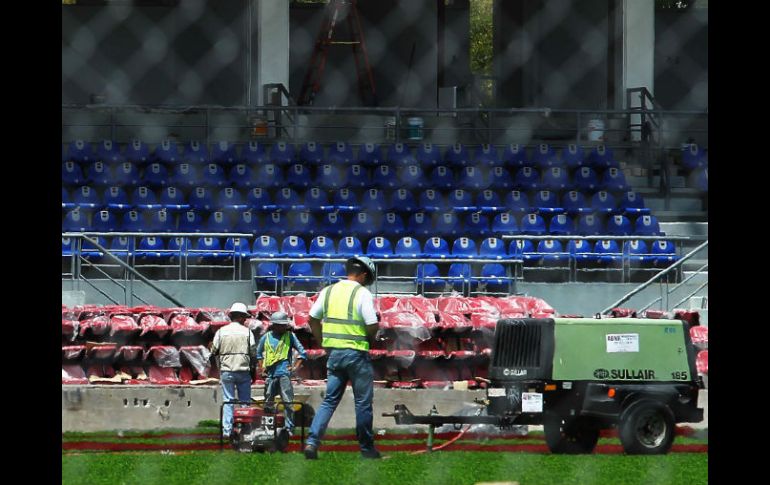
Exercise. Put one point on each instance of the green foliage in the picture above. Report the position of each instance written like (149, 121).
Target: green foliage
(481, 36)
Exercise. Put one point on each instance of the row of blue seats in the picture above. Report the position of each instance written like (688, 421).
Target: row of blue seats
(150, 247)
(313, 153)
(347, 200)
(362, 223)
(331, 177)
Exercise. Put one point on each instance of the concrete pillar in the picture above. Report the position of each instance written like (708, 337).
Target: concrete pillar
(637, 49)
(270, 38)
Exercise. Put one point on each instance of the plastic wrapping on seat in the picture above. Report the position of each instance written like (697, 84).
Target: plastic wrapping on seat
(198, 357)
(452, 320)
(700, 336)
(702, 362)
(403, 358)
(452, 304)
(411, 323)
(128, 353)
(73, 374)
(153, 324)
(73, 352)
(99, 325)
(123, 324)
(269, 304)
(101, 351)
(186, 324)
(163, 356)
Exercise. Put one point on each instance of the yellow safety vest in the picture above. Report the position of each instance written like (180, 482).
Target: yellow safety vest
(279, 353)
(343, 326)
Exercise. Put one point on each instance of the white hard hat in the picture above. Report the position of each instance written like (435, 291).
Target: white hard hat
(239, 308)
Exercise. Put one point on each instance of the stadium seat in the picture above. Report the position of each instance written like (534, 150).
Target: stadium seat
(150, 248)
(399, 154)
(428, 155)
(556, 179)
(80, 151)
(108, 151)
(500, 179)
(122, 247)
(632, 204)
(340, 153)
(125, 174)
(269, 175)
(330, 177)
(385, 177)
(573, 156)
(223, 153)
(178, 247)
(392, 225)
(637, 253)
(230, 198)
(161, 221)
(207, 250)
(86, 198)
(293, 247)
(461, 201)
(476, 225)
(288, 199)
(243, 177)
(332, 225)
(317, 200)
(137, 152)
(412, 177)
(201, 199)
(647, 226)
(693, 157)
(349, 246)
(312, 154)
(213, 175)
(459, 276)
(99, 174)
(156, 175)
(547, 202)
(580, 250)
(219, 222)
(442, 177)
(561, 225)
(90, 252)
(457, 156)
(184, 175)
(321, 247)
(239, 246)
(463, 247)
(133, 221)
(253, 153)
(190, 221)
(524, 249)
(515, 157)
(436, 247)
(195, 152)
(402, 200)
(589, 225)
(71, 174)
(104, 221)
(527, 178)
(618, 225)
(373, 200)
(357, 177)
(604, 202)
(66, 200)
(492, 248)
(167, 152)
(488, 201)
(265, 247)
(601, 157)
(613, 180)
(544, 156)
(664, 253)
(428, 277)
(533, 224)
(247, 222)
(379, 247)
(586, 180)
(268, 274)
(517, 202)
(408, 247)
(369, 155)
(333, 272)
(486, 156)
(551, 252)
(446, 224)
(504, 224)
(608, 252)
(472, 178)
(282, 153)
(419, 225)
(575, 203)
(433, 201)
(258, 198)
(365, 224)
(493, 276)
(303, 224)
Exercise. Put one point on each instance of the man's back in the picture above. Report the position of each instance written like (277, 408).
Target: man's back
(234, 344)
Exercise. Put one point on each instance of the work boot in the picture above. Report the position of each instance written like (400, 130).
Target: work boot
(373, 454)
(311, 452)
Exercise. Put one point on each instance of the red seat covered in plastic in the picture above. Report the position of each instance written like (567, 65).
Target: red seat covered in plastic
(215, 317)
(129, 353)
(700, 336)
(155, 324)
(185, 324)
(72, 352)
(163, 376)
(197, 357)
(690, 316)
(104, 351)
(376, 354)
(123, 325)
(623, 313)
(73, 374)
(481, 321)
(656, 314)
(453, 321)
(102, 374)
(95, 326)
(401, 357)
(269, 304)
(430, 349)
(302, 321)
(702, 362)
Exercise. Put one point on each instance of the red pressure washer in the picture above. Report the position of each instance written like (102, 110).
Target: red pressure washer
(257, 428)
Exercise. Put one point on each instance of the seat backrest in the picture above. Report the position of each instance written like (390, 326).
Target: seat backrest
(549, 246)
(293, 245)
(408, 246)
(322, 245)
(579, 246)
(265, 245)
(350, 246)
(379, 245)
(492, 247)
(636, 246)
(464, 246)
(436, 246)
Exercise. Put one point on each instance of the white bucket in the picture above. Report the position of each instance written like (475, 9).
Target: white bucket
(390, 129)
(596, 130)
(414, 126)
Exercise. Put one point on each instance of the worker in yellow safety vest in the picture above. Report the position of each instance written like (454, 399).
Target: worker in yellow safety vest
(343, 319)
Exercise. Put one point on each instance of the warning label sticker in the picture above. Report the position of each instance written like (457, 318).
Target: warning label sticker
(531, 402)
(623, 342)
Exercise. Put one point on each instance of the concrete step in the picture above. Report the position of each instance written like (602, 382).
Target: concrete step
(697, 279)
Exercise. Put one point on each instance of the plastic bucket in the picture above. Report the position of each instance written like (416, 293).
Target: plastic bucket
(259, 127)
(596, 130)
(414, 128)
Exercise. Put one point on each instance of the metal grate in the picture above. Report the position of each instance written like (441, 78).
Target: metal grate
(517, 344)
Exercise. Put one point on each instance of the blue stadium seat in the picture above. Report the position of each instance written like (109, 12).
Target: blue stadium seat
(461, 201)
(333, 272)
(81, 151)
(156, 175)
(370, 155)
(419, 225)
(518, 202)
(524, 249)
(330, 177)
(412, 177)
(332, 225)
(312, 154)
(243, 177)
(428, 155)
(223, 153)
(357, 177)
(547, 202)
(551, 251)
(699, 179)
(137, 152)
(239, 246)
(104, 221)
(601, 157)
(269, 175)
(268, 273)
(575, 203)
(349, 246)
(184, 175)
(604, 202)
(556, 178)
(288, 199)
(408, 247)
(435, 247)
(317, 200)
(230, 198)
(340, 153)
(303, 224)
(504, 223)
(613, 180)
(664, 253)
(515, 157)
(277, 224)
(144, 198)
(202, 199)
(219, 222)
(473, 178)
(463, 247)
(265, 247)
(618, 225)
(527, 178)
(581, 250)
(488, 201)
(150, 248)
(476, 225)
(544, 156)
(561, 225)
(608, 252)
(293, 247)
(90, 252)
(207, 250)
(115, 198)
(161, 221)
(632, 204)
(392, 225)
(457, 156)
(167, 152)
(573, 156)
(493, 276)
(433, 201)
(177, 247)
(282, 153)
(365, 224)
(66, 199)
(259, 199)
(99, 174)
(492, 248)
(385, 177)
(693, 157)
(254, 153)
(428, 277)
(637, 253)
(402, 200)
(442, 177)
(322, 247)
(71, 174)
(214, 175)
(500, 178)
(247, 222)
(86, 197)
(298, 175)
(585, 180)
(125, 174)
(446, 224)
(399, 154)
(76, 220)
(459, 276)
(486, 156)
(190, 221)
(109, 152)
(122, 247)
(647, 226)
(195, 152)
(374, 200)
(590, 225)
(346, 200)
(379, 247)
(533, 224)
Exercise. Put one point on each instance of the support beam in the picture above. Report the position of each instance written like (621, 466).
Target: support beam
(637, 66)
(270, 38)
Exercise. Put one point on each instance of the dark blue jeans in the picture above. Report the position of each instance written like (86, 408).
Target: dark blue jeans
(345, 365)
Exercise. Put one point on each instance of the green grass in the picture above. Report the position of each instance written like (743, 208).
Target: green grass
(451, 468)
